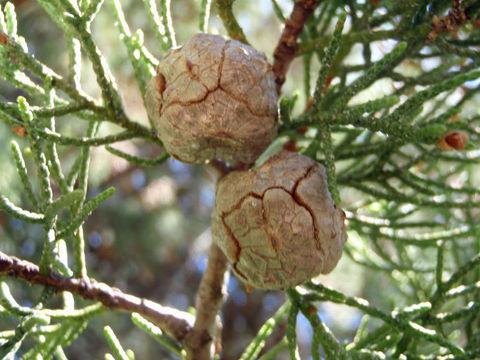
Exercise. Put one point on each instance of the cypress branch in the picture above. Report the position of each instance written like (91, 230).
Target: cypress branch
(115, 345)
(391, 83)
(18, 213)
(174, 322)
(138, 160)
(84, 212)
(157, 334)
(254, 348)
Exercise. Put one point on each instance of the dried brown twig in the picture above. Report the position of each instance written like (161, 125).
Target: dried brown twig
(209, 297)
(174, 322)
(285, 50)
(208, 301)
(450, 23)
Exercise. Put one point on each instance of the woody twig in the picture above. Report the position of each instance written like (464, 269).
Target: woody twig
(285, 50)
(174, 322)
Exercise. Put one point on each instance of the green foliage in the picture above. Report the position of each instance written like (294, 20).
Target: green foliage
(118, 352)
(156, 333)
(412, 208)
(254, 348)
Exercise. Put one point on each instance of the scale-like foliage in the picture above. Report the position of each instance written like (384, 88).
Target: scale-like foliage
(412, 206)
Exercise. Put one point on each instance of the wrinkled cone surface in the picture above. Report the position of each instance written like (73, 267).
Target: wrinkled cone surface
(214, 99)
(277, 224)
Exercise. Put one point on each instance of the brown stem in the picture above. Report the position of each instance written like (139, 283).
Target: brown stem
(198, 342)
(220, 168)
(285, 50)
(455, 18)
(174, 322)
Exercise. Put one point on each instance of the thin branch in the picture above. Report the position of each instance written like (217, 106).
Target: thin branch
(209, 298)
(27, 61)
(225, 12)
(174, 322)
(285, 50)
(208, 301)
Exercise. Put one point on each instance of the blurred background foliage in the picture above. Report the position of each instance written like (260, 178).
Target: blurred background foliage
(152, 236)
